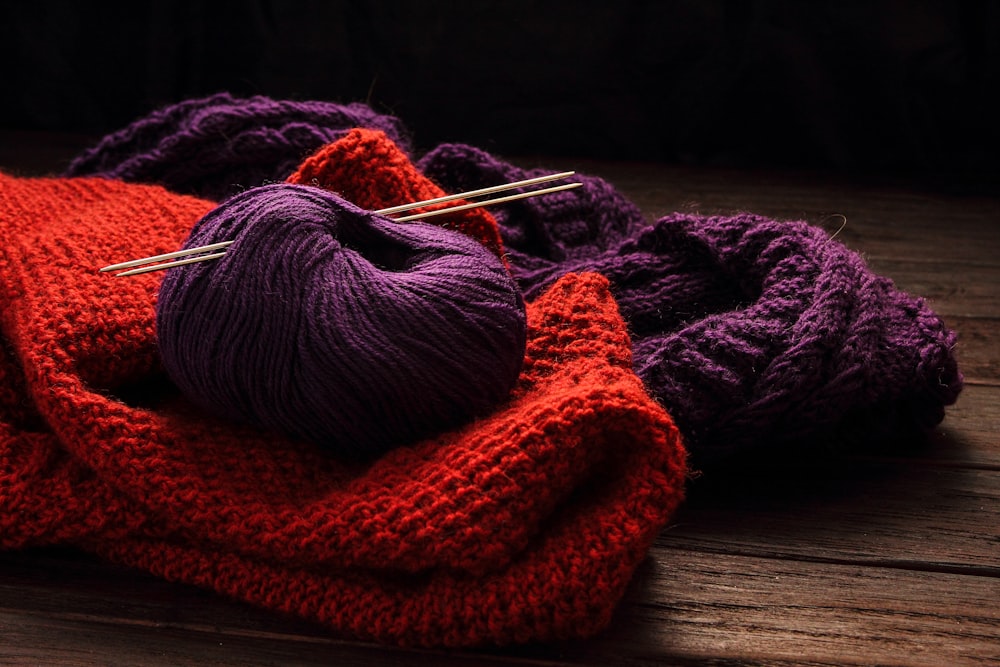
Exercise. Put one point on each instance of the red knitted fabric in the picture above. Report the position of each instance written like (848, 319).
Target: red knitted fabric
(523, 526)
(390, 179)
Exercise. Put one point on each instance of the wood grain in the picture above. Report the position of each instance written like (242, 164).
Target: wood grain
(978, 350)
(877, 557)
(683, 607)
(885, 513)
(969, 438)
(731, 607)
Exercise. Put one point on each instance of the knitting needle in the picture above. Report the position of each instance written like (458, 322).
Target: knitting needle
(201, 257)
(169, 255)
(475, 193)
(383, 211)
(224, 244)
(488, 202)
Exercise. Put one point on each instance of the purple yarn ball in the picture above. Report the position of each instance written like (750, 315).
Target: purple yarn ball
(216, 146)
(754, 333)
(335, 325)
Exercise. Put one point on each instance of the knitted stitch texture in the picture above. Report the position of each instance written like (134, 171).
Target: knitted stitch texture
(882, 360)
(217, 146)
(391, 179)
(523, 526)
(754, 333)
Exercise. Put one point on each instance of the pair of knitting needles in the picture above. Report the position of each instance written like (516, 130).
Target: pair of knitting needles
(212, 251)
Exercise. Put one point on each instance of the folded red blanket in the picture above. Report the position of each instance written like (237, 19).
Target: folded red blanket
(525, 525)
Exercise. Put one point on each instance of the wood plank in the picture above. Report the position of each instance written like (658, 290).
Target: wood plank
(914, 227)
(75, 640)
(882, 220)
(59, 607)
(970, 434)
(857, 511)
(964, 290)
(978, 351)
(743, 609)
(684, 607)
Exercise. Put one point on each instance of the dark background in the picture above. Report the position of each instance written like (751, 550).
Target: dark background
(860, 87)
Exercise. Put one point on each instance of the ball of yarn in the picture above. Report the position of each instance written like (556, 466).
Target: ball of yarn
(754, 333)
(330, 323)
(217, 146)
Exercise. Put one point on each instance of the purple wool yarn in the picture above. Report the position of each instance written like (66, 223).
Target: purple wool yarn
(216, 146)
(754, 333)
(332, 324)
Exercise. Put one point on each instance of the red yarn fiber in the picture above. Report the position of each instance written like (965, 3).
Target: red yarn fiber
(390, 179)
(523, 526)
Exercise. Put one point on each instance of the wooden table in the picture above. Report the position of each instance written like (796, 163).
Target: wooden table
(863, 559)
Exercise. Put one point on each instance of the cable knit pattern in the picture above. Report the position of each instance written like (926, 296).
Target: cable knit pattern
(752, 332)
(525, 525)
(217, 146)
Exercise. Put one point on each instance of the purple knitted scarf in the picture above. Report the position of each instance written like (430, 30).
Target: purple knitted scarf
(218, 146)
(753, 333)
